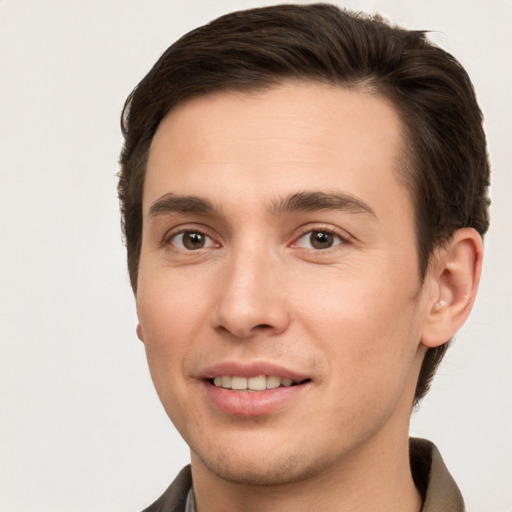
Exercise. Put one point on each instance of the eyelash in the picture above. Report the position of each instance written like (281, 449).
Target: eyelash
(173, 235)
(307, 230)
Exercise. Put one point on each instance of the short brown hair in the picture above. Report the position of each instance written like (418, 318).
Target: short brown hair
(447, 168)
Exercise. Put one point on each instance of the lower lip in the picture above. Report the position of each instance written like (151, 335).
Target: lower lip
(256, 403)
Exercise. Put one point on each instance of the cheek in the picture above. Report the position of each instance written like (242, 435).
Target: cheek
(166, 313)
(367, 340)
(171, 315)
(367, 321)
(168, 306)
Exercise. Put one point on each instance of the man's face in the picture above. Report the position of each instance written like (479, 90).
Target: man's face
(279, 245)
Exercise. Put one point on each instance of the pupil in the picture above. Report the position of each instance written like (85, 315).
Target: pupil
(193, 240)
(321, 240)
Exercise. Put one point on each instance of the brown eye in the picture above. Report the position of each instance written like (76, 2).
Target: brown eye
(191, 240)
(319, 240)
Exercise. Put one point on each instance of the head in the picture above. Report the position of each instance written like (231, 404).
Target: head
(444, 163)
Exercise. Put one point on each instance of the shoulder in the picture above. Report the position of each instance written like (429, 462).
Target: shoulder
(175, 497)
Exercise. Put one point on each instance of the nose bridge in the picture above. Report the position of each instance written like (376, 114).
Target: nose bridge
(250, 297)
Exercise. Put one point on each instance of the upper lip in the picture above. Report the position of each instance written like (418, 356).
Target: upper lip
(251, 369)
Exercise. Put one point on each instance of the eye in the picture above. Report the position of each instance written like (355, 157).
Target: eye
(191, 240)
(319, 239)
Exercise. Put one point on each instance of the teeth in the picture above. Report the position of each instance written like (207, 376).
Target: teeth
(273, 382)
(238, 383)
(225, 381)
(259, 383)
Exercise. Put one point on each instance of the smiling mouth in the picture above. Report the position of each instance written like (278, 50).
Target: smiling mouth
(259, 383)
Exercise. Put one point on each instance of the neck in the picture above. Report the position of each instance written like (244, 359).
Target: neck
(376, 476)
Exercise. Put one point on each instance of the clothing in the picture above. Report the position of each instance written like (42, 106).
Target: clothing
(437, 487)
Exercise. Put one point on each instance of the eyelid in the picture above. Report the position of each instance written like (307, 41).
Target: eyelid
(309, 228)
(170, 234)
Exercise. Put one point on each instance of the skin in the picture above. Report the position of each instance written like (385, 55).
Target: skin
(354, 317)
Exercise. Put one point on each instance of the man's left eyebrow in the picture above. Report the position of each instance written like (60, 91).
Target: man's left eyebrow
(312, 201)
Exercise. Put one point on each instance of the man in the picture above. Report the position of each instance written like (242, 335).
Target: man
(304, 195)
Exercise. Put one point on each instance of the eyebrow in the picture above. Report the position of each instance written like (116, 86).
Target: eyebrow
(170, 203)
(298, 202)
(312, 201)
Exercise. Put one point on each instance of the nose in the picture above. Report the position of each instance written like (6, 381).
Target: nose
(251, 298)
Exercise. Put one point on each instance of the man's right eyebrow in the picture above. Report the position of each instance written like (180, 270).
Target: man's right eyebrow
(172, 203)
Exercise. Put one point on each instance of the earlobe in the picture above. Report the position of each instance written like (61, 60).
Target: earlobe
(455, 272)
(139, 332)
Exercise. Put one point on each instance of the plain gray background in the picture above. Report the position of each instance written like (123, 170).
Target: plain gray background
(81, 427)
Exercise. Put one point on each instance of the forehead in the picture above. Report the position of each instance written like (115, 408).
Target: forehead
(293, 137)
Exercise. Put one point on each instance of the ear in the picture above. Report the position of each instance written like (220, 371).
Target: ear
(138, 329)
(454, 275)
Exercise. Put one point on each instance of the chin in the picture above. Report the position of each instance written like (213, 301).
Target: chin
(265, 470)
